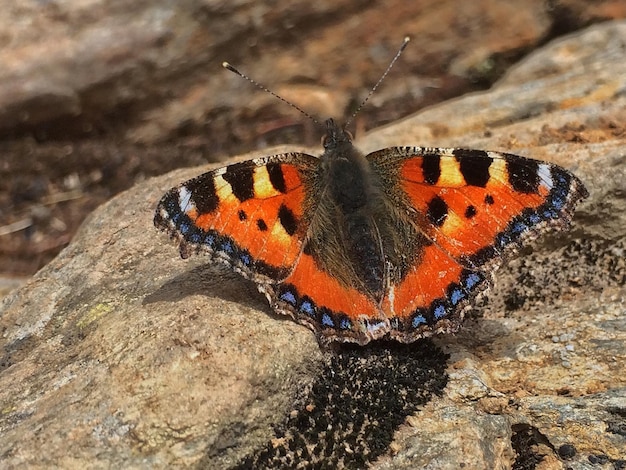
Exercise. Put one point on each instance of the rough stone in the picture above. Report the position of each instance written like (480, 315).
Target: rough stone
(69, 64)
(119, 354)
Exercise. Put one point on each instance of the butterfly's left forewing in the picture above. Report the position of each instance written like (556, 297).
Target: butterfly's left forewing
(250, 215)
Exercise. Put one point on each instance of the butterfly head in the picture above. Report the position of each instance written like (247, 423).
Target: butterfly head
(336, 136)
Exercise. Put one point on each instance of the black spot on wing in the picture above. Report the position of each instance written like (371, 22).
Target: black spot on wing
(437, 211)
(287, 219)
(489, 199)
(242, 215)
(474, 166)
(241, 180)
(275, 171)
(203, 193)
(262, 226)
(470, 211)
(523, 174)
(431, 168)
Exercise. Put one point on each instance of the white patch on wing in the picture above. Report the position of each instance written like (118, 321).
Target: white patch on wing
(376, 329)
(545, 175)
(184, 200)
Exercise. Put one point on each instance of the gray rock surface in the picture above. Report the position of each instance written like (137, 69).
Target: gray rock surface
(119, 354)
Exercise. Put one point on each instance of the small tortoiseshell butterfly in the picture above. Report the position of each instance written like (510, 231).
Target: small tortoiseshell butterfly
(393, 244)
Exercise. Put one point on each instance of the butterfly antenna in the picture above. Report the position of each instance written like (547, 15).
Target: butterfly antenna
(393, 61)
(227, 66)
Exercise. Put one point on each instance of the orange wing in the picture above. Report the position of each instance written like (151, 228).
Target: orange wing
(474, 207)
(249, 215)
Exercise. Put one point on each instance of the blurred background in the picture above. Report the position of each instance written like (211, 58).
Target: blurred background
(96, 95)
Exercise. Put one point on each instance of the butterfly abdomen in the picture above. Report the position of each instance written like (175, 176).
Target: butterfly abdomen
(347, 242)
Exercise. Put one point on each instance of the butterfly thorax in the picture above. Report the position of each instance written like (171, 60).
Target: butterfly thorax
(346, 172)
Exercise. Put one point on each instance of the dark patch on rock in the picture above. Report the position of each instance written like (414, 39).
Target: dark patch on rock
(588, 265)
(348, 417)
(617, 425)
(525, 440)
(598, 459)
(567, 451)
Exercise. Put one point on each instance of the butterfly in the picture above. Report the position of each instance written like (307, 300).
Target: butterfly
(394, 244)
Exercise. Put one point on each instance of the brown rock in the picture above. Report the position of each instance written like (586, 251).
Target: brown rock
(70, 64)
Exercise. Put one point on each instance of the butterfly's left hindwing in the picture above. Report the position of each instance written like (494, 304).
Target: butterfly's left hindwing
(250, 215)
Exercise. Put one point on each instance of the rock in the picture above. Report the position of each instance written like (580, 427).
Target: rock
(119, 354)
(69, 65)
